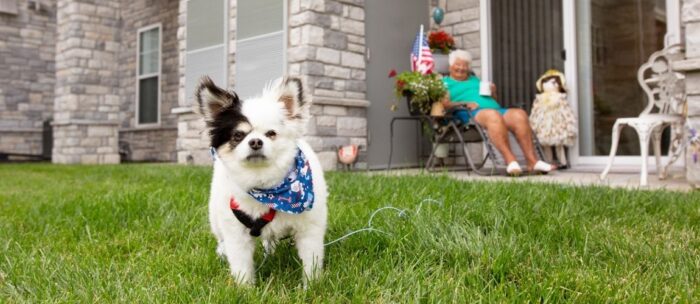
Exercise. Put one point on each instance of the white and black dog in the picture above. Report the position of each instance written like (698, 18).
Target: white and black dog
(267, 180)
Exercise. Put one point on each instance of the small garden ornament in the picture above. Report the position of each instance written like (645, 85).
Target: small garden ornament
(552, 118)
(347, 156)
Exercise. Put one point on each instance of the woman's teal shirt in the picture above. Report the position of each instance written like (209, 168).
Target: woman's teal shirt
(468, 91)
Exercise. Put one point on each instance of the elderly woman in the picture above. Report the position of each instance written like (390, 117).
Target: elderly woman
(463, 93)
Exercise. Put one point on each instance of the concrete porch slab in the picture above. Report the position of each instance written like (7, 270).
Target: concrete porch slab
(584, 176)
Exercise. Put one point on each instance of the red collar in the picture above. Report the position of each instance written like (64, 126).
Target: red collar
(256, 225)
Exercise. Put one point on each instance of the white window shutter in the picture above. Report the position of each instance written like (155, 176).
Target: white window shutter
(206, 49)
(258, 61)
(260, 45)
(210, 62)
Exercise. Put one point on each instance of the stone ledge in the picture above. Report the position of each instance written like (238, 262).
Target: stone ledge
(687, 65)
(149, 128)
(85, 122)
(346, 102)
(182, 110)
(21, 130)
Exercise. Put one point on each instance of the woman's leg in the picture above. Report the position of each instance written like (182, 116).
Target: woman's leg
(517, 122)
(497, 130)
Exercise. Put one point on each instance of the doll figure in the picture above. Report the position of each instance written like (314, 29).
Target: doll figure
(551, 117)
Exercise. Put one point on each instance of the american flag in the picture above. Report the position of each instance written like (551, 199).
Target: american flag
(421, 57)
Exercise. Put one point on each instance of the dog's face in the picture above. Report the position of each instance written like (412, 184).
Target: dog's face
(258, 132)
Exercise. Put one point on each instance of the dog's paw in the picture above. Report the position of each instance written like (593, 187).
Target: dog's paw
(269, 246)
(309, 281)
(220, 250)
(234, 281)
(243, 279)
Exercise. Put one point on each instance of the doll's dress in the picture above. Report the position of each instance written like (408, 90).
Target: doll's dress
(553, 120)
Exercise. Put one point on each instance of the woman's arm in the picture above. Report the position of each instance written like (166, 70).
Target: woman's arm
(494, 93)
(449, 105)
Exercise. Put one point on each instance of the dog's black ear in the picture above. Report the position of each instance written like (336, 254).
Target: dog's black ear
(212, 100)
(293, 96)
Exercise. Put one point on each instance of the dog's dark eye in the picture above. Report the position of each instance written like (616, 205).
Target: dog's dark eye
(238, 135)
(271, 134)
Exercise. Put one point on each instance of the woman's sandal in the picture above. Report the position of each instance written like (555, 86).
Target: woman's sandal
(514, 169)
(542, 168)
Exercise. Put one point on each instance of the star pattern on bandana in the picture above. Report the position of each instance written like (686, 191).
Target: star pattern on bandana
(294, 194)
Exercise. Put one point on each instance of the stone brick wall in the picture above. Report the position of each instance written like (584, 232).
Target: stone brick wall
(231, 47)
(192, 140)
(149, 144)
(327, 50)
(327, 47)
(191, 143)
(27, 76)
(462, 21)
(691, 67)
(136, 15)
(87, 104)
(24, 141)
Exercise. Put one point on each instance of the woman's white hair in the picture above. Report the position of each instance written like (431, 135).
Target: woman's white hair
(460, 54)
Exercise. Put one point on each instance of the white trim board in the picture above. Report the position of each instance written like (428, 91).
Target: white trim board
(139, 77)
(485, 37)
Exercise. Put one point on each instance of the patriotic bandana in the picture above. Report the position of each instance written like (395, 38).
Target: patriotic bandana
(295, 194)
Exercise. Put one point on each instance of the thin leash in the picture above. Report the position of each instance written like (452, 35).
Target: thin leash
(401, 213)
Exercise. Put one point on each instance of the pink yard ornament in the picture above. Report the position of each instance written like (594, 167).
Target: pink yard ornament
(347, 155)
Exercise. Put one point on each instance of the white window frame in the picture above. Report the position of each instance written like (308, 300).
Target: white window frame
(158, 74)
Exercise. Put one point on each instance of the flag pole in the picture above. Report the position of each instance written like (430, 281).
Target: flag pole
(420, 49)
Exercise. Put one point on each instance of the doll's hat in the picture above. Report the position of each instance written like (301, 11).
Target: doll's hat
(549, 74)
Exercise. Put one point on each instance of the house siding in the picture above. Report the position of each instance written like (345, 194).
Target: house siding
(690, 18)
(151, 143)
(463, 22)
(27, 76)
(75, 61)
(87, 105)
(192, 141)
(326, 49)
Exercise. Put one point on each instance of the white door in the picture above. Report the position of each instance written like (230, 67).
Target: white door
(390, 34)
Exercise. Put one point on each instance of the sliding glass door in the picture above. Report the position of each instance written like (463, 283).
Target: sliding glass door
(614, 38)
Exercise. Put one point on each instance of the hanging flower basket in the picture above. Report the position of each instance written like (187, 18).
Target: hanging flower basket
(440, 42)
(420, 91)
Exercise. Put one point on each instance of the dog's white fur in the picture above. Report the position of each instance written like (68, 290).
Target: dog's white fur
(233, 176)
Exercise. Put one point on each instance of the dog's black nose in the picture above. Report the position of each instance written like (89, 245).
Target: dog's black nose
(255, 143)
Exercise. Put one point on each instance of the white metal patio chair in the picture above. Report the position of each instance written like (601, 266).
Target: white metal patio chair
(665, 91)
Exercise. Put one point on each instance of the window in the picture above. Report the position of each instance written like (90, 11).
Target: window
(206, 47)
(260, 44)
(148, 75)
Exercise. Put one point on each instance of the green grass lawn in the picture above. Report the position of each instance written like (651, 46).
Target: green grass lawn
(139, 233)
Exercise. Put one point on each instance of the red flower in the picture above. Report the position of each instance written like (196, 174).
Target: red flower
(441, 40)
(392, 73)
(400, 84)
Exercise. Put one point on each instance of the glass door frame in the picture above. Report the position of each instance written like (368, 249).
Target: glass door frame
(571, 71)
